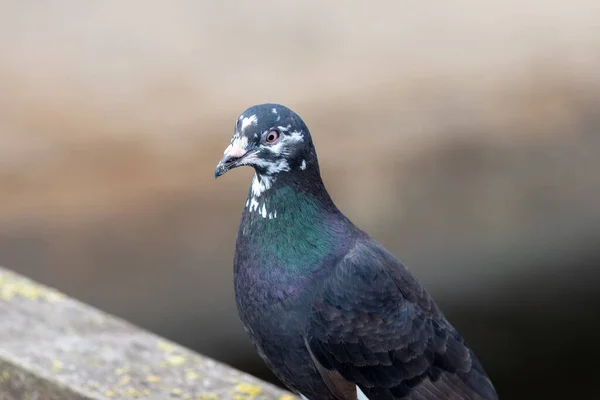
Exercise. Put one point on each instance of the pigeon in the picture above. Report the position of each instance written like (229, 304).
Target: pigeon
(332, 313)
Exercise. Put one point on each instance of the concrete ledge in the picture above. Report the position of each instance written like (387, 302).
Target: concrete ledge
(54, 347)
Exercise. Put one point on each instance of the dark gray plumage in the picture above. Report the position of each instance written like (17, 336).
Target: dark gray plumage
(333, 314)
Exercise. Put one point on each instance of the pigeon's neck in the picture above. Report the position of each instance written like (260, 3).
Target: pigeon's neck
(291, 224)
(267, 189)
(270, 199)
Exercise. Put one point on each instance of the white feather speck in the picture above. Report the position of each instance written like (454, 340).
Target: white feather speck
(246, 122)
(303, 165)
(264, 211)
(260, 185)
(274, 110)
(295, 136)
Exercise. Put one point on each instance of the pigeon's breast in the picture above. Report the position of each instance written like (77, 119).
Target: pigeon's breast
(286, 245)
(275, 318)
(264, 285)
(279, 264)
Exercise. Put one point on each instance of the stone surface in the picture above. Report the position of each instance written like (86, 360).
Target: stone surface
(54, 347)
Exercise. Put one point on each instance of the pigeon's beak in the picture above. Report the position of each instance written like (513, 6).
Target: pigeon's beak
(231, 158)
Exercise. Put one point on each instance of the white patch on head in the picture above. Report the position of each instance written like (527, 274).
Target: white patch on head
(287, 139)
(271, 167)
(278, 118)
(295, 136)
(270, 215)
(360, 395)
(284, 128)
(275, 214)
(279, 149)
(264, 210)
(246, 122)
(247, 202)
(274, 110)
(275, 167)
(303, 165)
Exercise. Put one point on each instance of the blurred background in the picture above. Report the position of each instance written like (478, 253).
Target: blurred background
(463, 135)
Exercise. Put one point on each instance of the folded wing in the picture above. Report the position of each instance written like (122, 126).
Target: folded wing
(373, 325)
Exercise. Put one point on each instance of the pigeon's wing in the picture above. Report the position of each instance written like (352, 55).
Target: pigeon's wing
(374, 325)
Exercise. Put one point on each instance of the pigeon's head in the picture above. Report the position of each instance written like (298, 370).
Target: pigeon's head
(271, 138)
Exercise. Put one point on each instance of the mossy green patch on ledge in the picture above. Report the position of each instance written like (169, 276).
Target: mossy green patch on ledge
(12, 285)
(55, 347)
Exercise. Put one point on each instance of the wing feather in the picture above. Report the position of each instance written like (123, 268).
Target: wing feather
(377, 327)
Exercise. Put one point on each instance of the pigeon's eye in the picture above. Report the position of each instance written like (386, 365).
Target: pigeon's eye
(272, 137)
